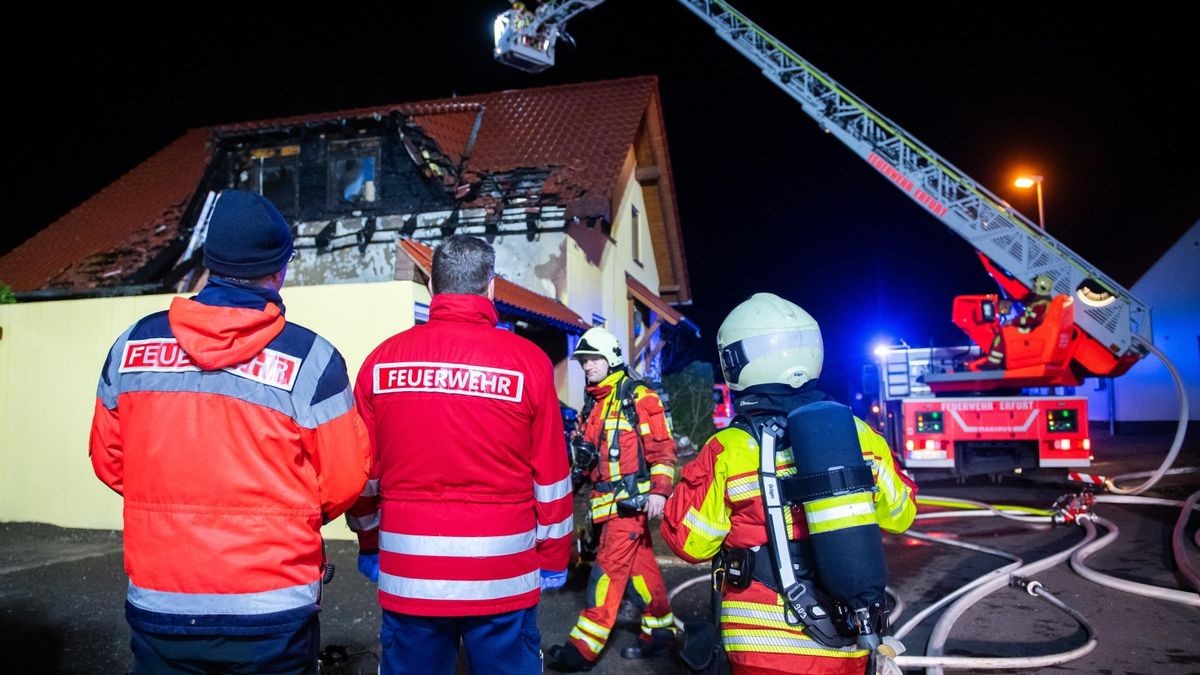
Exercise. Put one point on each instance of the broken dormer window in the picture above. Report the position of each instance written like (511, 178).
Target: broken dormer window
(353, 174)
(273, 173)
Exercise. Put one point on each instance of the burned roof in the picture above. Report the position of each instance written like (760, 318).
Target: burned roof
(575, 143)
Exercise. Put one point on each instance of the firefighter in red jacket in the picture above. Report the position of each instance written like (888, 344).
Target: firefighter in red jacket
(467, 516)
(232, 436)
(835, 483)
(629, 455)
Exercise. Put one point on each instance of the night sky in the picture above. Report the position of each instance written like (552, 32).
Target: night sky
(1098, 104)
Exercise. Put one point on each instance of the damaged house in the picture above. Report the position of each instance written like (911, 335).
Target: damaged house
(572, 184)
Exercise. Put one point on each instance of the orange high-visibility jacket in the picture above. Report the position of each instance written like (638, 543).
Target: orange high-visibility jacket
(232, 436)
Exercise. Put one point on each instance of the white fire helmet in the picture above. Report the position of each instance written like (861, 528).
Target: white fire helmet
(599, 342)
(767, 339)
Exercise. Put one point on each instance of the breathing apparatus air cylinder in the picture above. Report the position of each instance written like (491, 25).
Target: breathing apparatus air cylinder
(835, 485)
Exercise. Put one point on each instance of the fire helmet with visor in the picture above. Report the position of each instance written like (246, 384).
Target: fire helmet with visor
(766, 340)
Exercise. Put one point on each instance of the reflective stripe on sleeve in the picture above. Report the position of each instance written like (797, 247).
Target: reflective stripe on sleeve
(695, 521)
(549, 493)
(559, 529)
(741, 489)
(454, 589)
(456, 547)
(371, 489)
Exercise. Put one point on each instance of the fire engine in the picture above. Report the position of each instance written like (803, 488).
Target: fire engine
(941, 409)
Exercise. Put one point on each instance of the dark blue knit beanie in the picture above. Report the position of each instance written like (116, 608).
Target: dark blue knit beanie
(247, 236)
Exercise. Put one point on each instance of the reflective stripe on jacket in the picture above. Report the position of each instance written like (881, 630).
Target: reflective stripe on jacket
(470, 496)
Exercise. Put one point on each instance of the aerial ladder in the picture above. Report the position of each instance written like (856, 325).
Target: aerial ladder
(1095, 327)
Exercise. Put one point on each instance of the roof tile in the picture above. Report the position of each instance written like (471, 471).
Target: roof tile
(138, 213)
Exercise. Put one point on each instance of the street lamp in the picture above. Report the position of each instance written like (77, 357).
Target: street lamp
(1028, 182)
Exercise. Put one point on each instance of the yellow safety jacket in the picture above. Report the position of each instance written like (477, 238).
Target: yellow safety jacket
(717, 505)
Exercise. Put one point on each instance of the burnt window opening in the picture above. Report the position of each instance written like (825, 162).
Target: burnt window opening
(353, 174)
(273, 173)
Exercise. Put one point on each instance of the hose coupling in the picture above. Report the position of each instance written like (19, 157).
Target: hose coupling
(1030, 586)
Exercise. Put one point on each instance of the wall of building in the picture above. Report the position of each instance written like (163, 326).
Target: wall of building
(51, 354)
(602, 290)
(363, 249)
(1147, 392)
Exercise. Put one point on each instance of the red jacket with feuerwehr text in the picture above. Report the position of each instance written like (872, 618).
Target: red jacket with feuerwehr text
(470, 496)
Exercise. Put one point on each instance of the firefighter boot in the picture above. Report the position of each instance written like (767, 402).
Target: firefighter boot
(567, 659)
(659, 642)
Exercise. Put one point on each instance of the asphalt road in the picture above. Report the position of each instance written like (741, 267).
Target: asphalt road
(62, 591)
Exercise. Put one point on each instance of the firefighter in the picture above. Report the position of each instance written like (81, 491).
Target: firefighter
(1033, 311)
(807, 542)
(231, 434)
(467, 516)
(627, 451)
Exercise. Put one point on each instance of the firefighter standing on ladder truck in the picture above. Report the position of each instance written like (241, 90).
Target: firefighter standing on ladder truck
(802, 572)
(626, 451)
(1033, 311)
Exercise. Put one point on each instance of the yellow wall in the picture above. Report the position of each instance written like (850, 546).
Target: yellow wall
(602, 290)
(50, 358)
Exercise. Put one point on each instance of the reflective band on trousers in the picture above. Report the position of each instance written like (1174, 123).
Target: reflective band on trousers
(264, 602)
(559, 529)
(592, 627)
(592, 643)
(454, 589)
(456, 547)
(549, 493)
(665, 621)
